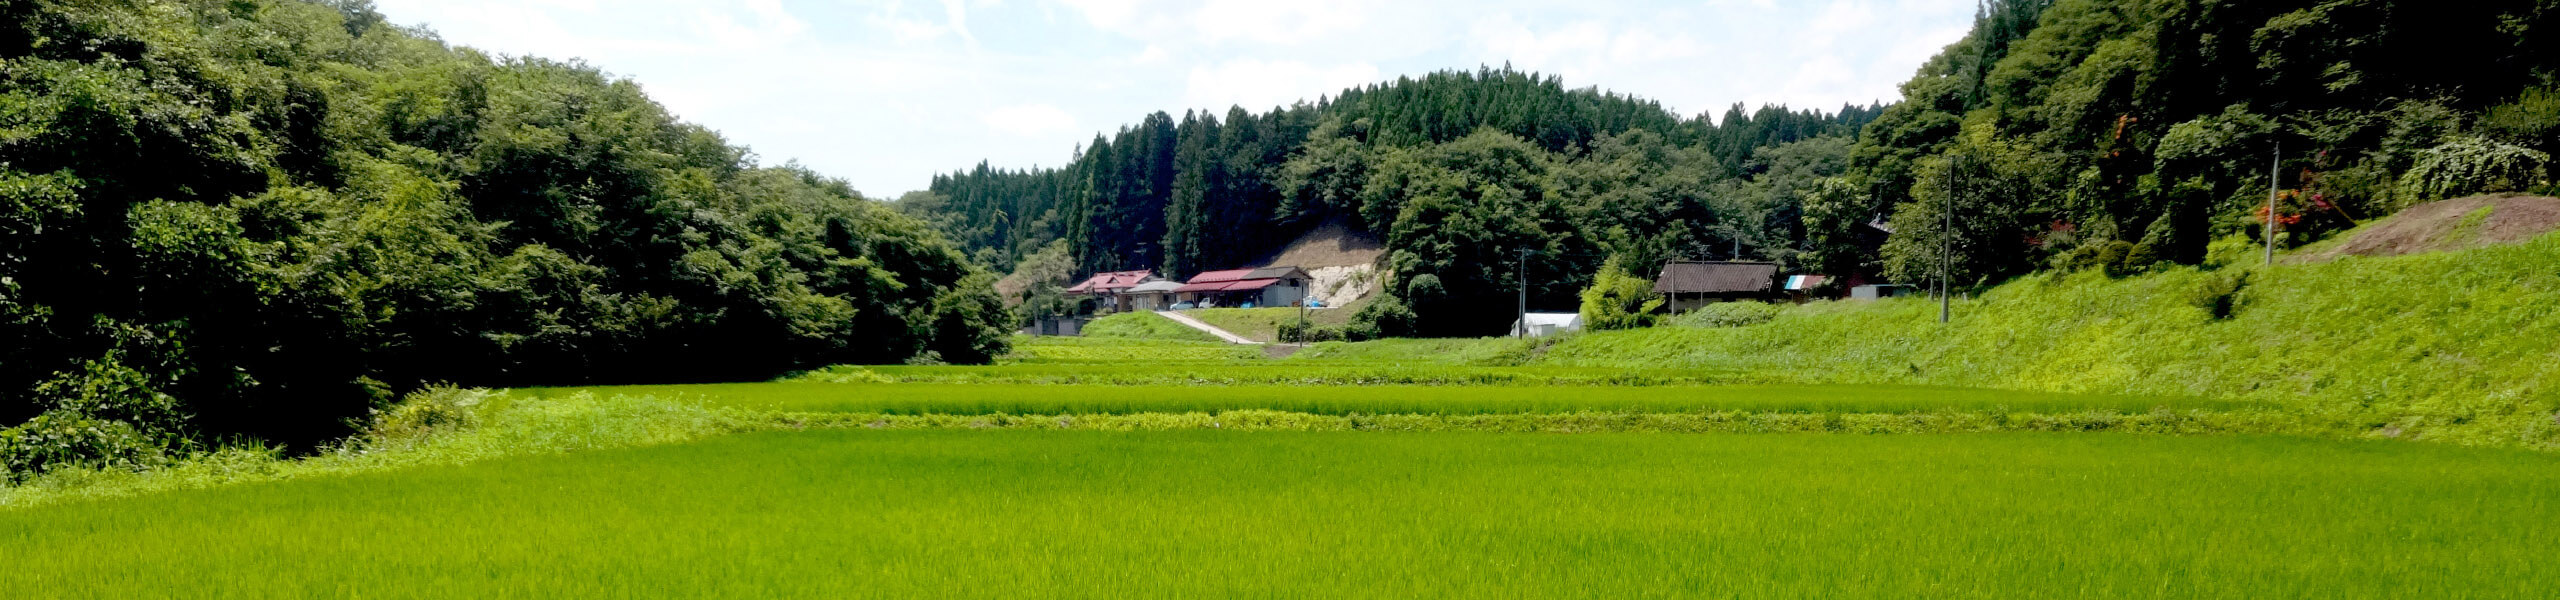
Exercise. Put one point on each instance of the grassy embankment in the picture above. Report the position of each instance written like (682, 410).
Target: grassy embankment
(2456, 346)
(1209, 514)
(1263, 324)
(1144, 325)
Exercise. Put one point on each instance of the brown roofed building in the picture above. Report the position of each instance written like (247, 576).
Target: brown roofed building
(1685, 286)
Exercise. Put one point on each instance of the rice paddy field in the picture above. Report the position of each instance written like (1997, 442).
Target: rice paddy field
(1004, 514)
(1173, 469)
(1050, 399)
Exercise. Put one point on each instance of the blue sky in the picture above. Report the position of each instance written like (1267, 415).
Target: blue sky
(887, 93)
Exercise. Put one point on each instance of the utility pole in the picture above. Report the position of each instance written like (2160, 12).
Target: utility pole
(2275, 173)
(1524, 294)
(1946, 245)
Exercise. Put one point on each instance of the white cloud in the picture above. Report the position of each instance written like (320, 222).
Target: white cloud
(1259, 85)
(1030, 120)
(887, 92)
(1283, 23)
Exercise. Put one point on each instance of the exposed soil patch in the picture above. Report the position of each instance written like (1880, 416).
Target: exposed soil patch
(2449, 225)
(1333, 244)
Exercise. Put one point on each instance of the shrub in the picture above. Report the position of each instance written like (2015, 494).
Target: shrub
(1730, 314)
(2472, 165)
(1386, 317)
(60, 439)
(2533, 119)
(1618, 300)
(106, 415)
(2219, 293)
(436, 408)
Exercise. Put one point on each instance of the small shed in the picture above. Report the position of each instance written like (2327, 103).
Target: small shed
(1685, 286)
(1879, 291)
(1546, 324)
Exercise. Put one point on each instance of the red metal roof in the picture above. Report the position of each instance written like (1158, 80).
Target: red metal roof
(1219, 276)
(1107, 282)
(1249, 285)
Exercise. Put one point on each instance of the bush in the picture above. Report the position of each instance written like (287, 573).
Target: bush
(436, 408)
(1618, 300)
(106, 415)
(1730, 314)
(1386, 317)
(61, 439)
(2473, 165)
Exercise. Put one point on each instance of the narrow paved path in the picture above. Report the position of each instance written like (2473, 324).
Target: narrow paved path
(1229, 336)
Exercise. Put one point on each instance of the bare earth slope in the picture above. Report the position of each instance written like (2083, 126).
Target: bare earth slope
(2457, 224)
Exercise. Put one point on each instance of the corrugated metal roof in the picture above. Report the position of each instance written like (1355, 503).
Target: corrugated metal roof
(1160, 285)
(1220, 276)
(1798, 283)
(1249, 285)
(1275, 273)
(1716, 278)
(1107, 282)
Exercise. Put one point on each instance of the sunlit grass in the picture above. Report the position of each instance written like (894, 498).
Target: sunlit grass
(1222, 514)
(1041, 399)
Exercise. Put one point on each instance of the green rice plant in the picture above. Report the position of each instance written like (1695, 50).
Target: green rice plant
(1309, 372)
(1378, 399)
(962, 513)
(1086, 350)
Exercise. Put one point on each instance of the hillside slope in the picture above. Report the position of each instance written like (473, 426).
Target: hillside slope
(2447, 225)
(2455, 346)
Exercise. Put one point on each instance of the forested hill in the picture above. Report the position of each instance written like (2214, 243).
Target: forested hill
(1143, 196)
(262, 218)
(2074, 134)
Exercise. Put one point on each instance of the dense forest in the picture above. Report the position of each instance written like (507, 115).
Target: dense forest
(2057, 134)
(1459, 171)
(226, 219)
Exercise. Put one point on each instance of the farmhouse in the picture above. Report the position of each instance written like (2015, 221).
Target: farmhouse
(1106, 287)
(1688, 285)
(1267, 286)
(1152, 295)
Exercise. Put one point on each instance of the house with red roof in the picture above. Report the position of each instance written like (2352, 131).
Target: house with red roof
(1110, 288)
(1264, 287)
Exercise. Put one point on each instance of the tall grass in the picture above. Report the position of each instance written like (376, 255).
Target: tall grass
(467, 426)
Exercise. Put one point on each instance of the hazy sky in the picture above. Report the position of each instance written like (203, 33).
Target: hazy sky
(887, 93)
